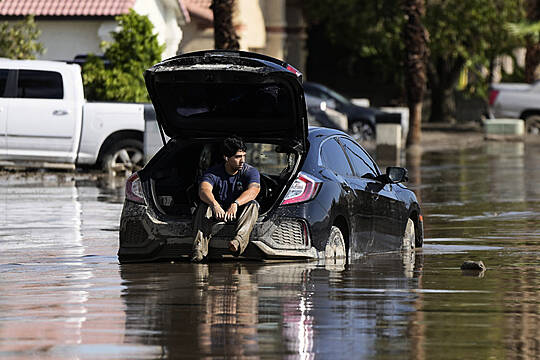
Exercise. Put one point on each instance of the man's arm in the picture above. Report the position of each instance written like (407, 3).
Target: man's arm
(249, 194)
(206, 196)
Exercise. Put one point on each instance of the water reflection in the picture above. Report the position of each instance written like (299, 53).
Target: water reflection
(279, 309)
(50, 238)
(481, 204)
(64, 296)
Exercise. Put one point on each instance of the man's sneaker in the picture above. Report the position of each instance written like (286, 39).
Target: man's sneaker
(197, 256)
(234, 246)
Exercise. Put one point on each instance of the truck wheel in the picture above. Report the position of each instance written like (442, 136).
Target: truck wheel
(532, 124)
(123, 156)
(362, 131)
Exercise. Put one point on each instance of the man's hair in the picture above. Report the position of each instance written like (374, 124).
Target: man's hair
(232, 144)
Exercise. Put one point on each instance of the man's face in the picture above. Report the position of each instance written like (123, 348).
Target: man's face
(236, 161)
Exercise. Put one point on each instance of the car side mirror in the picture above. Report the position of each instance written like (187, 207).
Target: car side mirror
(396, 174)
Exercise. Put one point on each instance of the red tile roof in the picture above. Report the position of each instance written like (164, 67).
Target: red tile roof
(65, 7)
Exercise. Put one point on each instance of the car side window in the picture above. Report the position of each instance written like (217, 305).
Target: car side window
(40, 85)
(3, 81)
(334, 158)
(361, 163)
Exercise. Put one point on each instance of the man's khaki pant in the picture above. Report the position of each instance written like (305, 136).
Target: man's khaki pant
(204, 228)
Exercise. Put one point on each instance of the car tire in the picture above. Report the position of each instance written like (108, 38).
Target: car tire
(124, 156)
(409, 237)
(532, 125)
(335, 249)
(362, 131)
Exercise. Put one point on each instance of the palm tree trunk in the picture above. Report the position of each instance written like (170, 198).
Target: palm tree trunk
(532, 56)
(415, 37)
(225, 36)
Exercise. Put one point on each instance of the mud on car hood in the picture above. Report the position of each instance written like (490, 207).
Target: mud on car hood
(213, 94)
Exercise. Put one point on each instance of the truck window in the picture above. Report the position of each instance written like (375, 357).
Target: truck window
(3, 81)
(40, 85)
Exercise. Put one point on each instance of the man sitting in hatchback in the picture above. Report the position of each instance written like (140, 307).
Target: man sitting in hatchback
(226, 190)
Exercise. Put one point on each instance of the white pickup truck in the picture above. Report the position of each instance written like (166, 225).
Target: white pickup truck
(516, 100)
(45, 120)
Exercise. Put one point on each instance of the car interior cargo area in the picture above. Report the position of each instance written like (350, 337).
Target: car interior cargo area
(173, 179)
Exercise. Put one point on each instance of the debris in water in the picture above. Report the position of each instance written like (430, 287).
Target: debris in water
(473, 265)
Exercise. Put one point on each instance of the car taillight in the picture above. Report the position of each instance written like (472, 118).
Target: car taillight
(493, 96)
(134, 191)
(293, 70)
(303, 188)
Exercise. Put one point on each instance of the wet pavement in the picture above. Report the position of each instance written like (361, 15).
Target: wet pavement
(63, 294)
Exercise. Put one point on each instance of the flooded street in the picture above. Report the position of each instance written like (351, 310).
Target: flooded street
(63, 294)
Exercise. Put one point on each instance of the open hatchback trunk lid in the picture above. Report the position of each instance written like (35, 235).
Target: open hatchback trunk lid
(214, 94)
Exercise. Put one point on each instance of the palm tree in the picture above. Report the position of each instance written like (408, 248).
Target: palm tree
(415, 38)
(532, 56)
(225, 36)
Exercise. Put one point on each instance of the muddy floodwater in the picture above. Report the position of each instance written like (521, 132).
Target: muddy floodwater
(63, 294)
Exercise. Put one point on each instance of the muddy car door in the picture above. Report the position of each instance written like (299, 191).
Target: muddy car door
(389, 216)
(388, 212)
(357, 205)
(364, 197)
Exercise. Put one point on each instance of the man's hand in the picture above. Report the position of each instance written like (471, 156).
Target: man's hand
(231, 213)
(219, 213)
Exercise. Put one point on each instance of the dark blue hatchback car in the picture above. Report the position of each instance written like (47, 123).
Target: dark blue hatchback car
(322, 195)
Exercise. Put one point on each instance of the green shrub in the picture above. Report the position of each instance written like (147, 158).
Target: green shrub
(19, 40)
(134, 49)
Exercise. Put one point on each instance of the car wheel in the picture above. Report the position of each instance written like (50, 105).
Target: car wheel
(335, 246)
(362, 131)
(532, 124)
(409, 237)
(124, 156)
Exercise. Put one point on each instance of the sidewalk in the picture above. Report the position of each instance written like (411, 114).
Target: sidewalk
(443, 137)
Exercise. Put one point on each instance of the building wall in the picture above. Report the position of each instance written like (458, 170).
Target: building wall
(271, 27)
(63, 39)
(196, 37)
(164, 15)
(250, 25)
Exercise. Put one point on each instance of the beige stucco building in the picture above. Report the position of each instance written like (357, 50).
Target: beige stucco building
(72, 27)
(272, 27)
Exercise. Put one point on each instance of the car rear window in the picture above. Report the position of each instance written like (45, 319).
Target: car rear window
(40, 85)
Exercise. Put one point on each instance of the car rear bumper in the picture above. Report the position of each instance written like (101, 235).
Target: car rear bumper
(146, 237)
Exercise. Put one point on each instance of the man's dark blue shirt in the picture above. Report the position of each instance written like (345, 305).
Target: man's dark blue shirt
(227, 188)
